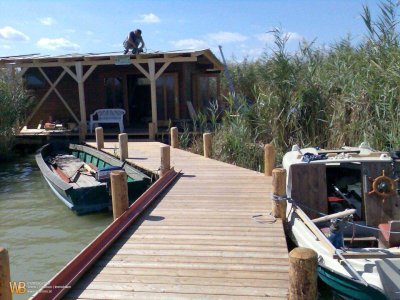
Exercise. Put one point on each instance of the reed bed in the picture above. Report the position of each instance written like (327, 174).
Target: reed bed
(14, 103)
(329, 97)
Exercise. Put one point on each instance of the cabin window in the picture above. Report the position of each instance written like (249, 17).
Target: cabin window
(34, 79)
(114, 97)
(206, 90)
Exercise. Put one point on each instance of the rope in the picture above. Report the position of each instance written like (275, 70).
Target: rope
(352, 223)
(279, 198)
(353, 235)
(271, 219)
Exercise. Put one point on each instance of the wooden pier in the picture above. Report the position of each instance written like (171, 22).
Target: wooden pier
(209, 236)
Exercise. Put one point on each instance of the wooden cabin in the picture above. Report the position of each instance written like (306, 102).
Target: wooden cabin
(151, 87)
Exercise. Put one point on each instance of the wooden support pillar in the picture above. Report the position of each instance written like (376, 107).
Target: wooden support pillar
(119, 193)
(82, 132)
(5, 278)
(123, 146)
(153, 93)
(303, 274)
(174, 137)
(269, 159)
(152, 132)
(279, 190)
(81, 91)
(207, 144)
(165, 160)
(99, 138)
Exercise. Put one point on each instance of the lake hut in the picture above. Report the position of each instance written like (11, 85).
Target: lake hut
(159, 87)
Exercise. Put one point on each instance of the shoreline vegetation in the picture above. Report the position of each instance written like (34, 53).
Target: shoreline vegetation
(329, 97)
(14, 103)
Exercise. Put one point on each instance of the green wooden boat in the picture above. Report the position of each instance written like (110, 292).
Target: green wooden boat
(79, 176)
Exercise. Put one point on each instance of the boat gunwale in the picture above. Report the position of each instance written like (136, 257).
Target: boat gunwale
(46, 171)
(54, 179)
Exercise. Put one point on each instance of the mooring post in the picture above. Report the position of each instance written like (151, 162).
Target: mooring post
(82, 132)
(174, 137)
(123, 146)
(5, 278)
(165, 160)
(99, 138)
(303, 274)
(279, 193)
(207, 144)
(119, 193)
(269, 159)
(152, 131)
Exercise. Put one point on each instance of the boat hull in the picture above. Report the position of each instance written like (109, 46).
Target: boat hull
(348, 288)
(90, 199)
(330, 270)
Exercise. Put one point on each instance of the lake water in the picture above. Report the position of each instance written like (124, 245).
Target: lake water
(40, 233)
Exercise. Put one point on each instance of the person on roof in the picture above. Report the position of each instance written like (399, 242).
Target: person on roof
(134, 41)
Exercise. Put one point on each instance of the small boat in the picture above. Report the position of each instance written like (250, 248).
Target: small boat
(79, 176)
(345, 205)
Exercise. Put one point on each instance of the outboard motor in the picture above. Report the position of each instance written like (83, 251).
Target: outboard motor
(336, 233)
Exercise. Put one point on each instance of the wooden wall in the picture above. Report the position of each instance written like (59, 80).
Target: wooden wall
(95, 93)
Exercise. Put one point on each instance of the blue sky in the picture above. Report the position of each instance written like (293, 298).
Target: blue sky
(61, 27)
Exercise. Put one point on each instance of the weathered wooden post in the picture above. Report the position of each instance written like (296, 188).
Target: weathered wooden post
(269, 159)
(119, 193)
(5, 278)
(207, 144)
(303, 274)
(174, 137)
(279, 192)
(123, 146)
(82, 132)
(165, 160)
(152, 131)
(99, 138)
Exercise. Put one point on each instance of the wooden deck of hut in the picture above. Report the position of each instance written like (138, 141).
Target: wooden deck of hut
(200, 240)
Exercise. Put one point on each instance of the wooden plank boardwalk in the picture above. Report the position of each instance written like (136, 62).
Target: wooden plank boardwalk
(199, 241)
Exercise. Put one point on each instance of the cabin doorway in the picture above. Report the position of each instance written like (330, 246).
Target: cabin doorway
(139, 101)
(168, 108)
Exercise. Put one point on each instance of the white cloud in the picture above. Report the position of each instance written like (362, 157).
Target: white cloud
(226, 37)
(252, 53)
(11, 34)
(148, 18)
(88, 32)
(5, 46)
(47, 21)
(189, 44)
(265, 37)
(57, 44)
(268, 37)
(293, 36)
(70, 30)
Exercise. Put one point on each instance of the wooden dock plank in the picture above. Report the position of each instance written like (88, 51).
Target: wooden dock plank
(114, 295)
(183, 288)
(210, 236)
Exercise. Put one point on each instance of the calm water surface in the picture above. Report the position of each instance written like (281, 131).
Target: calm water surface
(40, 233)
